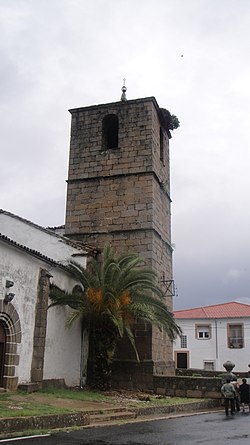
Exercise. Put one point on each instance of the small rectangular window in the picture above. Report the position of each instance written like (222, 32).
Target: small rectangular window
(209, 366)
(203, 332)
(183, 341)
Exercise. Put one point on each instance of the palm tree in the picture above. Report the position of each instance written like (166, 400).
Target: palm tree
(111, 295)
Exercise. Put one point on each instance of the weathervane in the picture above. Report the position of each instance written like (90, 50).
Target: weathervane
(124, 89)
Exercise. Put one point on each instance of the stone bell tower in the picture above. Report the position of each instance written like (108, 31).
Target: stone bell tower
(118, 193)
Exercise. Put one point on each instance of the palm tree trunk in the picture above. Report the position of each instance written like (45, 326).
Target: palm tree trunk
(102, 350)
(84, 357)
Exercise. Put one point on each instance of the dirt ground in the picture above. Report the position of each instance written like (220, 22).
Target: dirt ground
(113, 398)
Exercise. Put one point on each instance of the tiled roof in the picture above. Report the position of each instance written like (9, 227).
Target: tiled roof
(225, 310)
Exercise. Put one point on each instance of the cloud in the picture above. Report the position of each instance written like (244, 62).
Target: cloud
(243, 300)
(61, 54)
(234, 274)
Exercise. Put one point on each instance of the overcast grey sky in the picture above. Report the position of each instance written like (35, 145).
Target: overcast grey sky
(194, 57)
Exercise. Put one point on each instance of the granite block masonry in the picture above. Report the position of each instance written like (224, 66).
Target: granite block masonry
(119, 193)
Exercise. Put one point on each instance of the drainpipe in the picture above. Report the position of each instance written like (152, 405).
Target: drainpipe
(216, 340)
(84, 356)
(81, 360)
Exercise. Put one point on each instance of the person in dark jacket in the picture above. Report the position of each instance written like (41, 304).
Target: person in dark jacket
(244, 395)
(229, 393)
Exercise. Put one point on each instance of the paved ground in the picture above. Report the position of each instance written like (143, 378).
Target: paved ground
(202, 429)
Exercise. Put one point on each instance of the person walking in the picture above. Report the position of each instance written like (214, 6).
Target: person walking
(237, 397)
(244, 389)
(229, 394)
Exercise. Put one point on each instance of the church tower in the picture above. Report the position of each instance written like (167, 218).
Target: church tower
(118, 193)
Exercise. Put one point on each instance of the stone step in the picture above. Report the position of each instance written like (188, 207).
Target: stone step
(111, 415)
(105, 410)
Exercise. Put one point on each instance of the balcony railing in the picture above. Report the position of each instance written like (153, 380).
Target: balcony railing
(235, 343)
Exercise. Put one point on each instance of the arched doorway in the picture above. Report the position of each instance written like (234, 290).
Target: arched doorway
(2, 351)
(10, 336)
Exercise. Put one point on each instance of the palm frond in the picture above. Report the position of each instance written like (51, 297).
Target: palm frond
(110, 279)
(63, 298)
(132, 340)
(117, 321)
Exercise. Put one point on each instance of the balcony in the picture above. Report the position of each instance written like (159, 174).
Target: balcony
(235, 343)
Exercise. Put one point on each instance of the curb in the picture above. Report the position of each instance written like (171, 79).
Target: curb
(19, 424)
(175, 409)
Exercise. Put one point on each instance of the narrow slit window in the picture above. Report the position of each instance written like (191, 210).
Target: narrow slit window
(161, 145)
(110, 129)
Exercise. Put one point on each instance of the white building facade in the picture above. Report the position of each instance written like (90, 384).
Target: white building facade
(34, 344)
(212, 335)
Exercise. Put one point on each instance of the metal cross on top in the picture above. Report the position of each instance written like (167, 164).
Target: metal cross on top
(124, 89)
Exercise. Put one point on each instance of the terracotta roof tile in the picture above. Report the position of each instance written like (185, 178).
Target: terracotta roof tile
(226, 310)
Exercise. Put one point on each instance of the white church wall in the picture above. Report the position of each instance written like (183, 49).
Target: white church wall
(63, 345)
(40, 239)
(18, 267)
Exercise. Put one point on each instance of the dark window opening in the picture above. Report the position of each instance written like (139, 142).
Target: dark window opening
(182, 360)
(110, 127)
